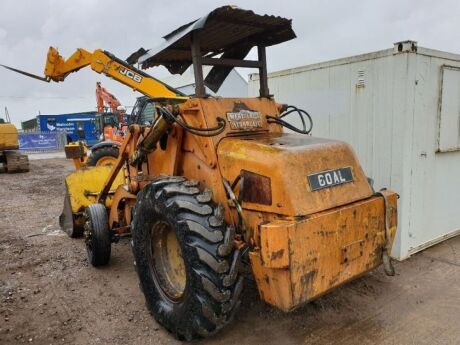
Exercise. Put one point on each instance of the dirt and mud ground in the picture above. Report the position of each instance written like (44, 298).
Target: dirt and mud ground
(50, 295)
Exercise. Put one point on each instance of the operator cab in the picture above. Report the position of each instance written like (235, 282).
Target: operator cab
(103, 121)
(143, 112)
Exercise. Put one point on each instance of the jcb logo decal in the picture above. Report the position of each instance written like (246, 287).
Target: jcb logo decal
(130, 74)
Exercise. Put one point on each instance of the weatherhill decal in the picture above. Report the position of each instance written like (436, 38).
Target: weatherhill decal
(243, 118)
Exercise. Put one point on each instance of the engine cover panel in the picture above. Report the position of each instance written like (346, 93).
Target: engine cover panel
(306, 174)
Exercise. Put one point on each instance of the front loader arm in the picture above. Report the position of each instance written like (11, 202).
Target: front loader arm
(133, 149)
(57, 69)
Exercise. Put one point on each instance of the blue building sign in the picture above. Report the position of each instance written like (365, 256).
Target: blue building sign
(76, 126)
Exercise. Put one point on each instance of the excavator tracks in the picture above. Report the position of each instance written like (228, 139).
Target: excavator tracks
(14, 161)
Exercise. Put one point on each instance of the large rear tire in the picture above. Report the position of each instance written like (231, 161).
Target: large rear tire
(104, 156)
(185, 258)
(97, 235)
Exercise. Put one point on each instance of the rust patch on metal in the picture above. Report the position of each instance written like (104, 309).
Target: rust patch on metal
(277, 255)
(307, 279)
(352, 251)
(334, 279)
(257, 188)
(306, 283)
(327, 233)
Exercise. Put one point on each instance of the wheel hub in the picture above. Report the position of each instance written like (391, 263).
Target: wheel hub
(167, 261)
(106, 161)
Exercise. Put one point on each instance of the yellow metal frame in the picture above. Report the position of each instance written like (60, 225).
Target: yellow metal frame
(8, 137)
(84, 186)
(78, 152)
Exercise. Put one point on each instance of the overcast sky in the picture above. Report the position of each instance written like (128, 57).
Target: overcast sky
(325, 30)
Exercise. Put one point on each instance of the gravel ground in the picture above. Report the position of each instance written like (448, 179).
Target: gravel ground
(50, 295)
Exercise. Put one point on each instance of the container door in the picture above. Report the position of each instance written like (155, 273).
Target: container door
(449, 117)
(435, 196)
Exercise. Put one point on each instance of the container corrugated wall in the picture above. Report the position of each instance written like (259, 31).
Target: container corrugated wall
(387, 106)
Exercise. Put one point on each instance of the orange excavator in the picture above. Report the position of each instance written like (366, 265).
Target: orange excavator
(106, 100)
(112, 125)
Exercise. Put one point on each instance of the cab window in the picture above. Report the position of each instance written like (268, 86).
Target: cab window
(148, 114)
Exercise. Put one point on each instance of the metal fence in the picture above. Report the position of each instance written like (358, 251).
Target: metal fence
(42, 141)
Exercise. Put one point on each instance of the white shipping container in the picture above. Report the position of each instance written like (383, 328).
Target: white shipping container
(400, 110)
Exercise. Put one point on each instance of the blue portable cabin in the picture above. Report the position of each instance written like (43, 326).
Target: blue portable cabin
(77, 126)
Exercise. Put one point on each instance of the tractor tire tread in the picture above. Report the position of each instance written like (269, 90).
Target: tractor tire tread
(99, 253)
(207, 248)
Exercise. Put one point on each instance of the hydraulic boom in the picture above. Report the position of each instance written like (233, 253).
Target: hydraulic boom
(57, 69)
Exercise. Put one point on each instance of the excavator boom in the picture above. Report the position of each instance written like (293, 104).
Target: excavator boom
(104, 96)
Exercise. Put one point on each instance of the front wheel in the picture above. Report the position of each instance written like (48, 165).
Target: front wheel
(185, 258)
(97, 235)
(104, 156)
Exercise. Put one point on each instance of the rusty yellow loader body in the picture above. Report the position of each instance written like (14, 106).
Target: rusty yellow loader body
(216, 189)
(314, 220)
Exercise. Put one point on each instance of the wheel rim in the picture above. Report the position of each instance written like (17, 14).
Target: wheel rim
(167, 261)
(106, 161)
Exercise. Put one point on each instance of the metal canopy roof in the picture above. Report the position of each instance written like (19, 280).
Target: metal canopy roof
(228, 29)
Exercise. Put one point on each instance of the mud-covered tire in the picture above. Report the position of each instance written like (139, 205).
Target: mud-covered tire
(100, 153)
(213, 284)
(97, 235)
